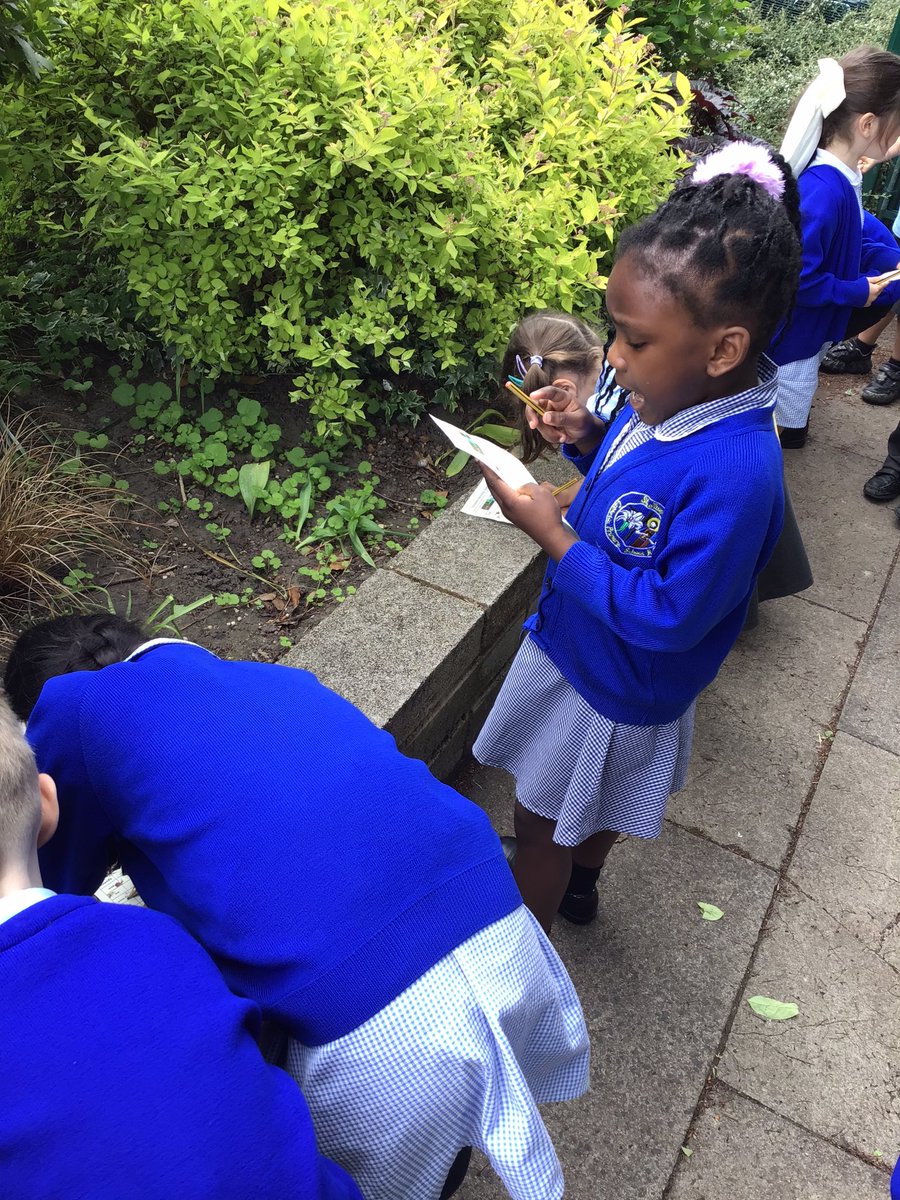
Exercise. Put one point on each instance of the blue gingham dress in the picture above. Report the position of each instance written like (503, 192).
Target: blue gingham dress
(571, 764)
(461, 1058)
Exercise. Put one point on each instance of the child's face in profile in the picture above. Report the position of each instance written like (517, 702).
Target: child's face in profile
(660, 354)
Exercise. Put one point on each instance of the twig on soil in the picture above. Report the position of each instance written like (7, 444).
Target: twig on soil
(270, 584)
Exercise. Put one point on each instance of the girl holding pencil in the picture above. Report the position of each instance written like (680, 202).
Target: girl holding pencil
(681, 506)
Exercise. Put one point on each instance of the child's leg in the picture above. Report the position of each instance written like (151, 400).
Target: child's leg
(591, 853)
(541, 867)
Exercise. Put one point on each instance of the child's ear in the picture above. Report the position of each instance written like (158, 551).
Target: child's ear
(731, 349)
(49, 809)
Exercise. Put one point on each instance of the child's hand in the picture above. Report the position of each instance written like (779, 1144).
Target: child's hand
(534, 510)
(877, 284)
(566, 420)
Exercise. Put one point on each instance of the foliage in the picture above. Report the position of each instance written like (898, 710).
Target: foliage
(483, 426)
(714, 110)
(49, 517)
(359, 191)
(25, 26)
(694, 36)
(784, 47)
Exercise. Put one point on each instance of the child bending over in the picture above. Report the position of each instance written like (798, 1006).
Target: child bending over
(127, 1068)
(366, 907)
(681, 506)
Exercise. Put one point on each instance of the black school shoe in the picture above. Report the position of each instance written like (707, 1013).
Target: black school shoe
(847, 358)
(580, 910)
(884, 485)
(793, 439)
(885, 387)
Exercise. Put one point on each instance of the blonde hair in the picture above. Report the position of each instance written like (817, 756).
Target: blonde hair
(20, 809)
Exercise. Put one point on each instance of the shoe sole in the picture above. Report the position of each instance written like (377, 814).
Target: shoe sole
(879, 403)
(880, 499)
(850, 370)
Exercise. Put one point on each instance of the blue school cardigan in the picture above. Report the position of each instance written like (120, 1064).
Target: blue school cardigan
(322, 869)
(640, 613)
(838, 254)
(128, 1069)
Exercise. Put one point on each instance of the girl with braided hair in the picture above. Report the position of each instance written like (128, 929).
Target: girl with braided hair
(681, 505)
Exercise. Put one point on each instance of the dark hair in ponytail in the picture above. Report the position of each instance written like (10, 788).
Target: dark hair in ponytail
(82, 642)
(871, 84)
(564, 345)
(726, 250)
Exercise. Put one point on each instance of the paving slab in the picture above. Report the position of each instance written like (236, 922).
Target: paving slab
(848, 857)
(872, 712)
(424, 643)
(757, 738)
(838, 408)
(657, 984)
(833, 1068)
(849, 540)
(741, 1150)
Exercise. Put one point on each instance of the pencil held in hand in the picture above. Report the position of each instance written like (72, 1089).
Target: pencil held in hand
(557, 491)
(524, 397)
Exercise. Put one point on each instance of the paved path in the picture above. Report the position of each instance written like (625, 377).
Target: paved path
(791, 825)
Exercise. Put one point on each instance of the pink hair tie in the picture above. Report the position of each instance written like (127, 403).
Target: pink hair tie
(742, 158)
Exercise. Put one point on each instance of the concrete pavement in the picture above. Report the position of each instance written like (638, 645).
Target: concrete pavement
(791, 824)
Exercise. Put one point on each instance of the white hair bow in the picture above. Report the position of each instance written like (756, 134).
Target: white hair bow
(819, 101)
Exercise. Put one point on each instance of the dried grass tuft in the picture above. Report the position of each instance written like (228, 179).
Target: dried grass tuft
(48, 519)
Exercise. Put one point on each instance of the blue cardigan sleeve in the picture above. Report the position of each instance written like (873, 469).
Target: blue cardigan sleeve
(703, 572)
(78, 856)
(823, 217)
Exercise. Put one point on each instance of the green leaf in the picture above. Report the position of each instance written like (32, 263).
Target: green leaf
(304, 500)
(686, 1151)
(710, 911)
(773, 1010)
(252, 480)
(503, 435)
(457, 462)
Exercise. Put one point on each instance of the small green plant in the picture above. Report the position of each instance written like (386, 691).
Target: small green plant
(98, 441)
(219, 533)
(252, 480)
(432, 499)
(350, 516)
(203, 508)
(266, 561)
(79, 579)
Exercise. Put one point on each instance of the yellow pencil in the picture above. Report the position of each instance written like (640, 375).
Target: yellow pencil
(563, 486)
(524, 397)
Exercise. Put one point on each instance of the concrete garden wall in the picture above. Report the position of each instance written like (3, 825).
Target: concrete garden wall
(423, 645)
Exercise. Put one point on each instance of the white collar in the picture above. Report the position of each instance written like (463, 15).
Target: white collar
(160, 641)
(824, 158)
(11, 906)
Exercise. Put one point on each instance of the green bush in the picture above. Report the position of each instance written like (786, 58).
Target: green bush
(784, 48)
(694, 36)
(366, 190)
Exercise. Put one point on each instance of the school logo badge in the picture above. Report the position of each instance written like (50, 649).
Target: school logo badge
(632, 524)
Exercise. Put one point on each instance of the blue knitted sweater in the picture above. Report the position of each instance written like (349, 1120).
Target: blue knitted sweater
(322, 869)
(640, 613)
(127, 1069)
(838, 255)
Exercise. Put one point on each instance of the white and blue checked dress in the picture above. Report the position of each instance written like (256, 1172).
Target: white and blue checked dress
(571, 764)
(461, 1058)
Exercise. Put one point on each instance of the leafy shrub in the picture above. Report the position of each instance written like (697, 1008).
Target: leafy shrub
(784, 47)
(368, 189)
(24, 29)
(694, 36)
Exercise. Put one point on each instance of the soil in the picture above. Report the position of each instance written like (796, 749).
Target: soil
(176, 555)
